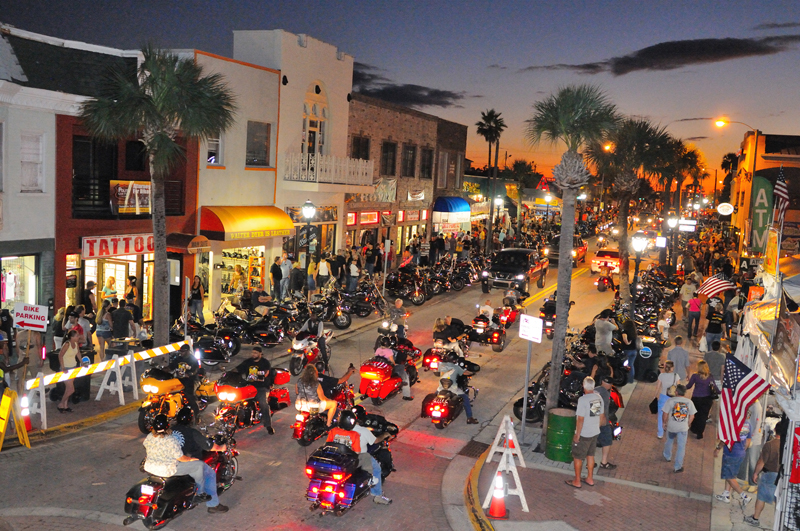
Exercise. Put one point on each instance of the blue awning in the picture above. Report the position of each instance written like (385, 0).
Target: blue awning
(451, 204)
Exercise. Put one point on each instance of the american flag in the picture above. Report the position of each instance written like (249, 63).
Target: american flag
(715, 285)
(740, 388)
(781, 195)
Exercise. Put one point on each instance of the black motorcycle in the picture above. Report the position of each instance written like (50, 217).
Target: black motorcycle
(444, 406)
(329, 308)
(408, 283)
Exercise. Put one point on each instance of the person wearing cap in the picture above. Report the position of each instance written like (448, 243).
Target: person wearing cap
(188, 366)
(259, 299)
(257, 371)
(606, 436)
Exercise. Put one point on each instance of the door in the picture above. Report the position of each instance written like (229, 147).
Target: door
(118, 270)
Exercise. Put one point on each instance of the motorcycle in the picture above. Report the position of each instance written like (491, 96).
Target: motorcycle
(305, 350)
(378, 380)
(196, 330)
(157, 500)
(239, 408)
(408, 283)
(366, 299)
(603, 283)
(329, 308)
(547, 313)
(482, 332)
(166, 395)
(507, 314)
(311, 425)
(444, 406)
(602, 241)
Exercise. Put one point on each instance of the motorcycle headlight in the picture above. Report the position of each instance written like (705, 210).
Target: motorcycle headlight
(299, 417)
(520, 277)
(615, 231)
(385, 324)
(198, 354)
(485, 274)
(297, 346)
(648, 339)
(599, 238)
(546, 252)
(574, 253)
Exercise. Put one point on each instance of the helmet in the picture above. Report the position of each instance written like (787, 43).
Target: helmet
(347, 420)
(359, 412)
(160, 423)
(449, 356)
(446, 383)
(185, 416)
(386, 342)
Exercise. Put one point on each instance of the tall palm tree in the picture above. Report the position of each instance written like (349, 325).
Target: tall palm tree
(491, 127)
(525, 174)
(636, 152)
(170, 97)
(575, 115)
(730, 164)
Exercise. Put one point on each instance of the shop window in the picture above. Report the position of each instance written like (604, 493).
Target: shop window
(18, 281)
(360, 148)
(441, 176)
(388, 158)
(369, 218)
(258, 144)
(214, 151)
(351, 218)
(409, 160)
(426, 164)
(32, 162)
(135, 156)
(401, 216)
(94, 166)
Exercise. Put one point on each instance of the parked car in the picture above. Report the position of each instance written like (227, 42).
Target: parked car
(608, 256)
(515, 269)
(579, 249)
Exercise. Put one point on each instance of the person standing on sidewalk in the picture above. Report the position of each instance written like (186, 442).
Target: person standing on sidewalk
(694, 306)
(686, 293)
(702, 398)
(666, 379)
(680, 357)
(604, 328)
(731, 462)
(677, 414)
(766, 475)
(714, 327)
(589, 418)
(606, 437)
(629, 348)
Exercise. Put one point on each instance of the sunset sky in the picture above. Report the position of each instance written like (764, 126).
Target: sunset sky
(672, 62)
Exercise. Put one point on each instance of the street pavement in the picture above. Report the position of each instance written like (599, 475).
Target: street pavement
(80, 481)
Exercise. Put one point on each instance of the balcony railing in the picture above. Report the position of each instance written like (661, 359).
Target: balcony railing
(327, 169)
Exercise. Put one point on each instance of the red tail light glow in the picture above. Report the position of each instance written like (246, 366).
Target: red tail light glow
(496, 335)
(541, 314)
(567, 372)
(338, 476)
(328, 488)
(309, 472)
(341, 494)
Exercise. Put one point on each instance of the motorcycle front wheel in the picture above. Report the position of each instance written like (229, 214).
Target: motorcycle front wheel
(457, 284)
(343, 321)
(363, 311)
(436, 288)
(417, 299)
(145, 421)
(296, 365)
(228, 476)
(535, 413)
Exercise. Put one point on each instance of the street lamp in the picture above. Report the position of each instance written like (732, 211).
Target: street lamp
(498, 202)
(639, 244)
(309, 211)
(672, 222)
(547, 200)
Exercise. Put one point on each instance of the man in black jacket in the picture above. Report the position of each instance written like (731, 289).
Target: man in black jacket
(257, 371)
(185, 367)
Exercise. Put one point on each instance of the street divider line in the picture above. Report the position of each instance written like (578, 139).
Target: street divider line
(547, 291)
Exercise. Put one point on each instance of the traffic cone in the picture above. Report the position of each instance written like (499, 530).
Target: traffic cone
(497, 510)
(510, 441)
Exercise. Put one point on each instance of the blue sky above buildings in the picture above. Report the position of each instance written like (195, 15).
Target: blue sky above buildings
(669, 61)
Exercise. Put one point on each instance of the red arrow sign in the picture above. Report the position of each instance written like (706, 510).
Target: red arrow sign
(23, 324)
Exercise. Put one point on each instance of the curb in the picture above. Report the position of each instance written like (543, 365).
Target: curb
(471, 497)
(78, 425)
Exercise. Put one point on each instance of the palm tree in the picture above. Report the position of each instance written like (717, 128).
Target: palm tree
(575, 115)
(730, 164)
(525, 174)
(491, 127)
(170, 97)
(637, 148)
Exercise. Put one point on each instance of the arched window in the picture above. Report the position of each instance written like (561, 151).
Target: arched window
(315, 118)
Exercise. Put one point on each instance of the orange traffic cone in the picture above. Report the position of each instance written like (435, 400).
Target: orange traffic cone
(497, 510)
(510, 442)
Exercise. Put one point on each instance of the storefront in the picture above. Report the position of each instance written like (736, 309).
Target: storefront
(451, 214)
(243, 241)
(410, 223)
(19, 281)
(317, 237)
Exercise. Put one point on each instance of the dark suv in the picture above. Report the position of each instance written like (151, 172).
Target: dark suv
(515, 268)
(579, 249)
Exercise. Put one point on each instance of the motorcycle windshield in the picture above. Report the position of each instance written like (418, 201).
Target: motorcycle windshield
(232, 379)
(157, 374)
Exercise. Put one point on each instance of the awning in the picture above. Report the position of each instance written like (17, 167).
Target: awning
(226, 223)
(450, 210)
(178, 242)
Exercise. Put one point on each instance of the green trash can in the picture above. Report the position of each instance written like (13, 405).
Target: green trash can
(560, 430)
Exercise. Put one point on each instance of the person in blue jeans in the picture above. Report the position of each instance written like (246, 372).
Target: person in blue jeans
(765, 476)
(666, 379)
(677, 414)
(714, 327)
(731, 462)
(629, 338)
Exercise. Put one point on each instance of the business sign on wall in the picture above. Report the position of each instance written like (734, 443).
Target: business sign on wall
(131, 197)
(106, 246)
(761, 213)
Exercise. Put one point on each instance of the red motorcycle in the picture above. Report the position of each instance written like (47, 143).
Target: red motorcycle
(310, 426)
(378, 380)
(238, 405)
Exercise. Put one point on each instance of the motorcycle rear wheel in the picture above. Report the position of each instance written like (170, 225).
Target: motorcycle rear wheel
(230, 475)
(210, 363)
(550, 334)
(363, 311)
(439, 425)
(457, 284)
(303, 440)
(296, 366)
(499, 346)
(436, 288)
(601, 287)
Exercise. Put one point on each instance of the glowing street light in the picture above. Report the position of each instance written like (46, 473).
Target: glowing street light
(547, 200)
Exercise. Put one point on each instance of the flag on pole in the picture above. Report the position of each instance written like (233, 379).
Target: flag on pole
(715, 285)
(740, 388)
(781, 195)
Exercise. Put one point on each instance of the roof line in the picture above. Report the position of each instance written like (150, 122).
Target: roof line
(7, 29)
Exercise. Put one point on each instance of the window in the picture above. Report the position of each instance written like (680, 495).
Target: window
(409, 160)
(258, 144)
(214, 151)
(135, 156)
(388, 158)
(426, 164)
(459, 171)
(94, 166)
(32, 160)
(360, 148)
(441, 179)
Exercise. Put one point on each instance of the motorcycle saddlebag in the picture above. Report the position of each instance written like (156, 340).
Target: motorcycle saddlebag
(282, 377)
(279, 399)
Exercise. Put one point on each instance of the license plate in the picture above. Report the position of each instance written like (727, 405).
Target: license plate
(548, 323)
(147, 489)
(436, 414)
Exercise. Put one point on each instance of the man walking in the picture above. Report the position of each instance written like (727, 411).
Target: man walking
(732, 460)
(286, 271)
(606, 436)
(687, 290)
(767, 466)
(680, 357)
(589, 418)
(678, 413)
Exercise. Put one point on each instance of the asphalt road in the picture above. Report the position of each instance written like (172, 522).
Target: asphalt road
(91, 472)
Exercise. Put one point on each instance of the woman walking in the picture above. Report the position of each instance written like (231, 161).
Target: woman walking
(694, 306)
(68, 359)
(104, 327)
(666, 380)
(196, 298)
(703, 383)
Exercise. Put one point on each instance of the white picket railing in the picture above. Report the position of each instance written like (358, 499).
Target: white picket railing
(327, 169)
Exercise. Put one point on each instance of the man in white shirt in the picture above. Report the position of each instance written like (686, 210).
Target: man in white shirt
(487, 310)
(589, 417)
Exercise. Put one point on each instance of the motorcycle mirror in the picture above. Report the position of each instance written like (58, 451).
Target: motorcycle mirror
(571, 303)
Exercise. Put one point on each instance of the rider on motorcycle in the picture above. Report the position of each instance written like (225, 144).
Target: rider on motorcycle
(398, 358)
(358, 439)
(399, 315)
(605, 271)
(442, 332)
(185, 367)
(315, 326)
(487, 309)
(256, 371)
(165, 458)
(449, 369)
(328, 383)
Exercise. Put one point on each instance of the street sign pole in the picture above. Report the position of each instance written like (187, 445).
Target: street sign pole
(386, 246)
(525, 396)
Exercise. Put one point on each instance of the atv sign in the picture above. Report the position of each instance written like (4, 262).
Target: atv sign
(30, 317)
